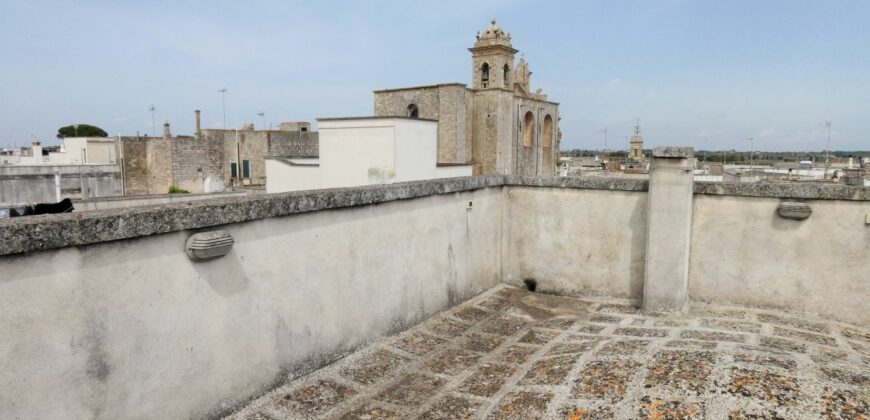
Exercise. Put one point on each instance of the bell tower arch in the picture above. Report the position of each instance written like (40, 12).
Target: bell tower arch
(492, 59)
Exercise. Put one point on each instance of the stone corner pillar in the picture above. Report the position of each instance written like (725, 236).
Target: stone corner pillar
(669, 225)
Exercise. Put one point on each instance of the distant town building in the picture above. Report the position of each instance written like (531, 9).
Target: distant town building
(635, 149)
(364, 151)
(214, 160)
(499, 125)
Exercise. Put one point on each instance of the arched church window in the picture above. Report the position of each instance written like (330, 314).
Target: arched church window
(484, 75)
(548, 131)
(529, 129)
(413, 112)
(507, 72)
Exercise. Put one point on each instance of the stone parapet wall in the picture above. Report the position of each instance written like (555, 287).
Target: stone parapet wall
(57, 231)
(134, 329)
(811, 191)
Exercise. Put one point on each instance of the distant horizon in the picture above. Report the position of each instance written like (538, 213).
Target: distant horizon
(706, 74)
(696, 150)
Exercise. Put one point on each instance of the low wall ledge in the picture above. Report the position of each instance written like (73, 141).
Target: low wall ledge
(810, 191)
(592, 183)
(37, 233)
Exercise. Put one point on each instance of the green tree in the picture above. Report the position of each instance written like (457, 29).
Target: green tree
(81, 130)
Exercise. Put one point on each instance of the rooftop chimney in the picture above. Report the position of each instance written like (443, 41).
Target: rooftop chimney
(166, 134)
(198, 132)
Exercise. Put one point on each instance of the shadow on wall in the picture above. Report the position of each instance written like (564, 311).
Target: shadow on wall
(638, 225)
(225, 274)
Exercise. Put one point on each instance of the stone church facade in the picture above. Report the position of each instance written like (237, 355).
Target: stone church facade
(498, 125)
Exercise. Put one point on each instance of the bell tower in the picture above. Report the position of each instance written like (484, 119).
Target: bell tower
(635, 151)
(492, 59)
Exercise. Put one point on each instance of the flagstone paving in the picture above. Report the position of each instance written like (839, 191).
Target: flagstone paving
(514, 354)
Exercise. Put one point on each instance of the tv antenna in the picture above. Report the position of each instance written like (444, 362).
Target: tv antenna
(223, 93)
(153, 124)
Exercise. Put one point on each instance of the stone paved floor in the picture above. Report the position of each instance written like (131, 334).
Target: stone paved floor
(512, 354)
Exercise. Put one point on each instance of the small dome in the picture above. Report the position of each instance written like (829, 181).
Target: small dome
(493, 35)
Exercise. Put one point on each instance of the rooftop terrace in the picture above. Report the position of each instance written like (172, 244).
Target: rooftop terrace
(408, 298)
(513, 354)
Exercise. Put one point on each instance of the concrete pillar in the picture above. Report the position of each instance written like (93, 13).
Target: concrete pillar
(166, 133)
(669, 225)
(198, 132)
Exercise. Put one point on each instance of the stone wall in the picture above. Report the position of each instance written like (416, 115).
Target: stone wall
(444, 103)
(135, 166)
(254, 146)
(294, 143)
(480, 126)
(452, 120)
(152, 164)
(159, 176)
(395, 102)
(193, 161)
(537, 159)
(494, 144)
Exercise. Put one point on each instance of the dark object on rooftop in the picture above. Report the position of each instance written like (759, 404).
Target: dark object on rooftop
(63, 206)
(531, 284)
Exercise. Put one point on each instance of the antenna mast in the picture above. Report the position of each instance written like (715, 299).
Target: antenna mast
(153, 125)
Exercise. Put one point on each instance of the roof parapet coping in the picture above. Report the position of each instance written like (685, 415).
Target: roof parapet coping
(375, 118)
(43, 232)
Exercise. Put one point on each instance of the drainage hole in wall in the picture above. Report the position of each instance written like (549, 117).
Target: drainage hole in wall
(531, 284)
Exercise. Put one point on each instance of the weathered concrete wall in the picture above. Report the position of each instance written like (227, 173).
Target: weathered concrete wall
(575, 241)
(669, 229)
(133, 329)
(286, 174)
(743, 252)
(21, 185)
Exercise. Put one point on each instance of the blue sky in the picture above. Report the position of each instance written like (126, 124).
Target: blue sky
(704, 73)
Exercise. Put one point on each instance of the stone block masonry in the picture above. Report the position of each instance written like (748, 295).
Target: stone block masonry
(152, 165)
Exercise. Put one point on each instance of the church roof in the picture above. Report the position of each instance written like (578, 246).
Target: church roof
(493, 35)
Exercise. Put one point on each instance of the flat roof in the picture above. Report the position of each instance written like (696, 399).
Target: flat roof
(375, 118)
(591, 346)
(422, 87)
